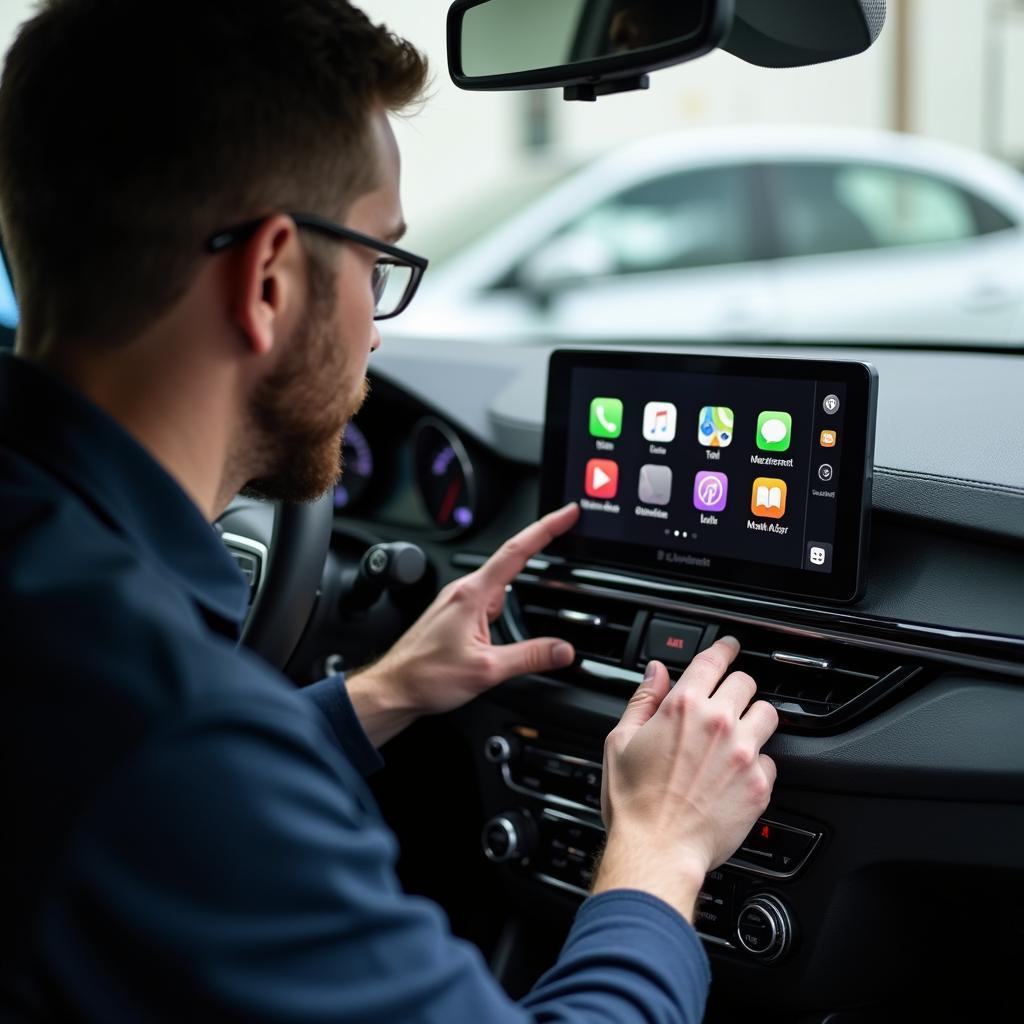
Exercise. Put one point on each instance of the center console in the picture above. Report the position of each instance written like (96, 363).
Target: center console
(552, 832)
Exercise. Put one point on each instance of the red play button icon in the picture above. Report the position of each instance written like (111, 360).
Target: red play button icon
(602, 478)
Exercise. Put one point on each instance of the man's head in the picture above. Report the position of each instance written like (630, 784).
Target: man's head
(131, 132)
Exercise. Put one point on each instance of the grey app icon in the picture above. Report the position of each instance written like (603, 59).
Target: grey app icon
(655, 484)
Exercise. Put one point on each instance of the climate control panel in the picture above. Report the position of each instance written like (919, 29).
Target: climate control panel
(552, 831)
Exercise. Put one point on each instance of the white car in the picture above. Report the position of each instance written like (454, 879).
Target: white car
(750, 233)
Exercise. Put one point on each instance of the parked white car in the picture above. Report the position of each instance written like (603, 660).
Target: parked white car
(772, 233)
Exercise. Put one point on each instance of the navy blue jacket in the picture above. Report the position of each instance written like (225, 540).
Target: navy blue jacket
(187, 837)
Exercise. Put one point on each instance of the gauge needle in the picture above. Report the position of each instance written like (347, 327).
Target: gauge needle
(448, 505)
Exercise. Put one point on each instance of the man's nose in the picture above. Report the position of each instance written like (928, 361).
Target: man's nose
(375, 339)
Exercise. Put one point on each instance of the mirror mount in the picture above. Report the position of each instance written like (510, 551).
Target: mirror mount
(589, 93)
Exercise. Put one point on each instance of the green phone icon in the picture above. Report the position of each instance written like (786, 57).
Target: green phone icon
(605, 417)
(773, 431)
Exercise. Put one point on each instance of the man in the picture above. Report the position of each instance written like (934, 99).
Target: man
(187, 837)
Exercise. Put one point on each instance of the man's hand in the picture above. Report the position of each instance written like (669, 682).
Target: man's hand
(446, 658)
(684, 777)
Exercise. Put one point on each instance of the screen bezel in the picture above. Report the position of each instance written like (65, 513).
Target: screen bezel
(844, 584)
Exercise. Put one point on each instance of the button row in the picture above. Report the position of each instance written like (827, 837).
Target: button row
(770, 846)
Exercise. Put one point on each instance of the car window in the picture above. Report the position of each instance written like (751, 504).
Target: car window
(842, 207)
(676, 221)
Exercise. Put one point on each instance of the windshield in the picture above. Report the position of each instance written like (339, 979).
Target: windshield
(876, 199)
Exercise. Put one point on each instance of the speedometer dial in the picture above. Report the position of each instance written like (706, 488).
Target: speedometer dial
(444, 476)
(356, 468)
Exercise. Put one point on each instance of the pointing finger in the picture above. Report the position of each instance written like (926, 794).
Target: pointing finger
(510, 559)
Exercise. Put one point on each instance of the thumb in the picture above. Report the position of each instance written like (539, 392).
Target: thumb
(542, 654)
(646, 700)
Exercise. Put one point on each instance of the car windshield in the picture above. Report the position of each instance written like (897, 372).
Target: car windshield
(876, 199)
(872, 200)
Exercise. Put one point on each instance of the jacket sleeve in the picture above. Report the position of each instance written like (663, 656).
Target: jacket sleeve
(233, 869)
(331, 699)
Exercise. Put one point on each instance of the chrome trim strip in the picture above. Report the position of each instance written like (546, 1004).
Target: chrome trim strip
(801, 660)
(583, 618)
(250, 547)
(716, 940)
(550, 812)
(602, 671)
(559, 884)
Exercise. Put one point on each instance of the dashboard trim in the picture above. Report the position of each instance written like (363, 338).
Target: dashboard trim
(996, 653)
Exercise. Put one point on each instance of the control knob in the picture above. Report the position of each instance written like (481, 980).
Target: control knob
(509, 837)
(764, 928)
(497, 749)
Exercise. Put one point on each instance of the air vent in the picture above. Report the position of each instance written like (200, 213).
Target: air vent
(818, 684)
(599, 628)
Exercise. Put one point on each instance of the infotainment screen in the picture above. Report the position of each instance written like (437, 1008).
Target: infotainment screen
(754, 473)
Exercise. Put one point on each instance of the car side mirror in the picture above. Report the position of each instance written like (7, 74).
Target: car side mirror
(562, 262)
(588, 47)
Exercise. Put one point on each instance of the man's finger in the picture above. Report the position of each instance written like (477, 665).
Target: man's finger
(708, 667)
(737, 690)
(762, 719)
(647, 698)
(542, 654)
(510, 559)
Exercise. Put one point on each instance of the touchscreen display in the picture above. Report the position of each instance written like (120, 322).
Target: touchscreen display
(753, 472)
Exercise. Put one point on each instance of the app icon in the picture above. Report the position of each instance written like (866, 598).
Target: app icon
(659, 421)
(605, 417)
(714, 426)
(655, 486)
(831, 404)
(602, 478)
(819, 556)
(825, 472)
(710, 491)
(828, 439)
(768, 498)
(773, 430)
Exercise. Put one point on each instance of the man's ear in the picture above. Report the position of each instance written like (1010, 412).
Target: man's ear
(266, 282)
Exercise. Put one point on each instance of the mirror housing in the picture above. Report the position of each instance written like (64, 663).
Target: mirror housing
(565, 260)
(594, 49)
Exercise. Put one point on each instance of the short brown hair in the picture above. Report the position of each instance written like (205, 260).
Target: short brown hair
(131, 129)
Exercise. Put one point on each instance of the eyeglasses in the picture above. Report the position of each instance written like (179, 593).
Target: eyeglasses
(396, 275)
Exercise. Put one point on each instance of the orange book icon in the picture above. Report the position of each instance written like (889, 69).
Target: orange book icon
(768, 498)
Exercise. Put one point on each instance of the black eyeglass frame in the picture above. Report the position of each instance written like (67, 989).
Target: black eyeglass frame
(401, 257)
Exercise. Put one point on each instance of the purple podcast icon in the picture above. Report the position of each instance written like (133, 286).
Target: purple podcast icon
(710, 491)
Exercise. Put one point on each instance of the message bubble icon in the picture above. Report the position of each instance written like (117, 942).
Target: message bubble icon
(774, 430)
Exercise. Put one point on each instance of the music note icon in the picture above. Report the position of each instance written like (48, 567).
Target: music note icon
(659, 421)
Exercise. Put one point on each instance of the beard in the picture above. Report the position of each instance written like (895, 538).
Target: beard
(299, 412)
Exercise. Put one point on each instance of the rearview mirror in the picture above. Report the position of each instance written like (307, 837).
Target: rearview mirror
(589, 47)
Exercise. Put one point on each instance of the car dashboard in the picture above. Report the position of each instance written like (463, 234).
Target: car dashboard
(888, 871)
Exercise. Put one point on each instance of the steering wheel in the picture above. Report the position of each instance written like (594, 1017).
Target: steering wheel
(281, 547)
